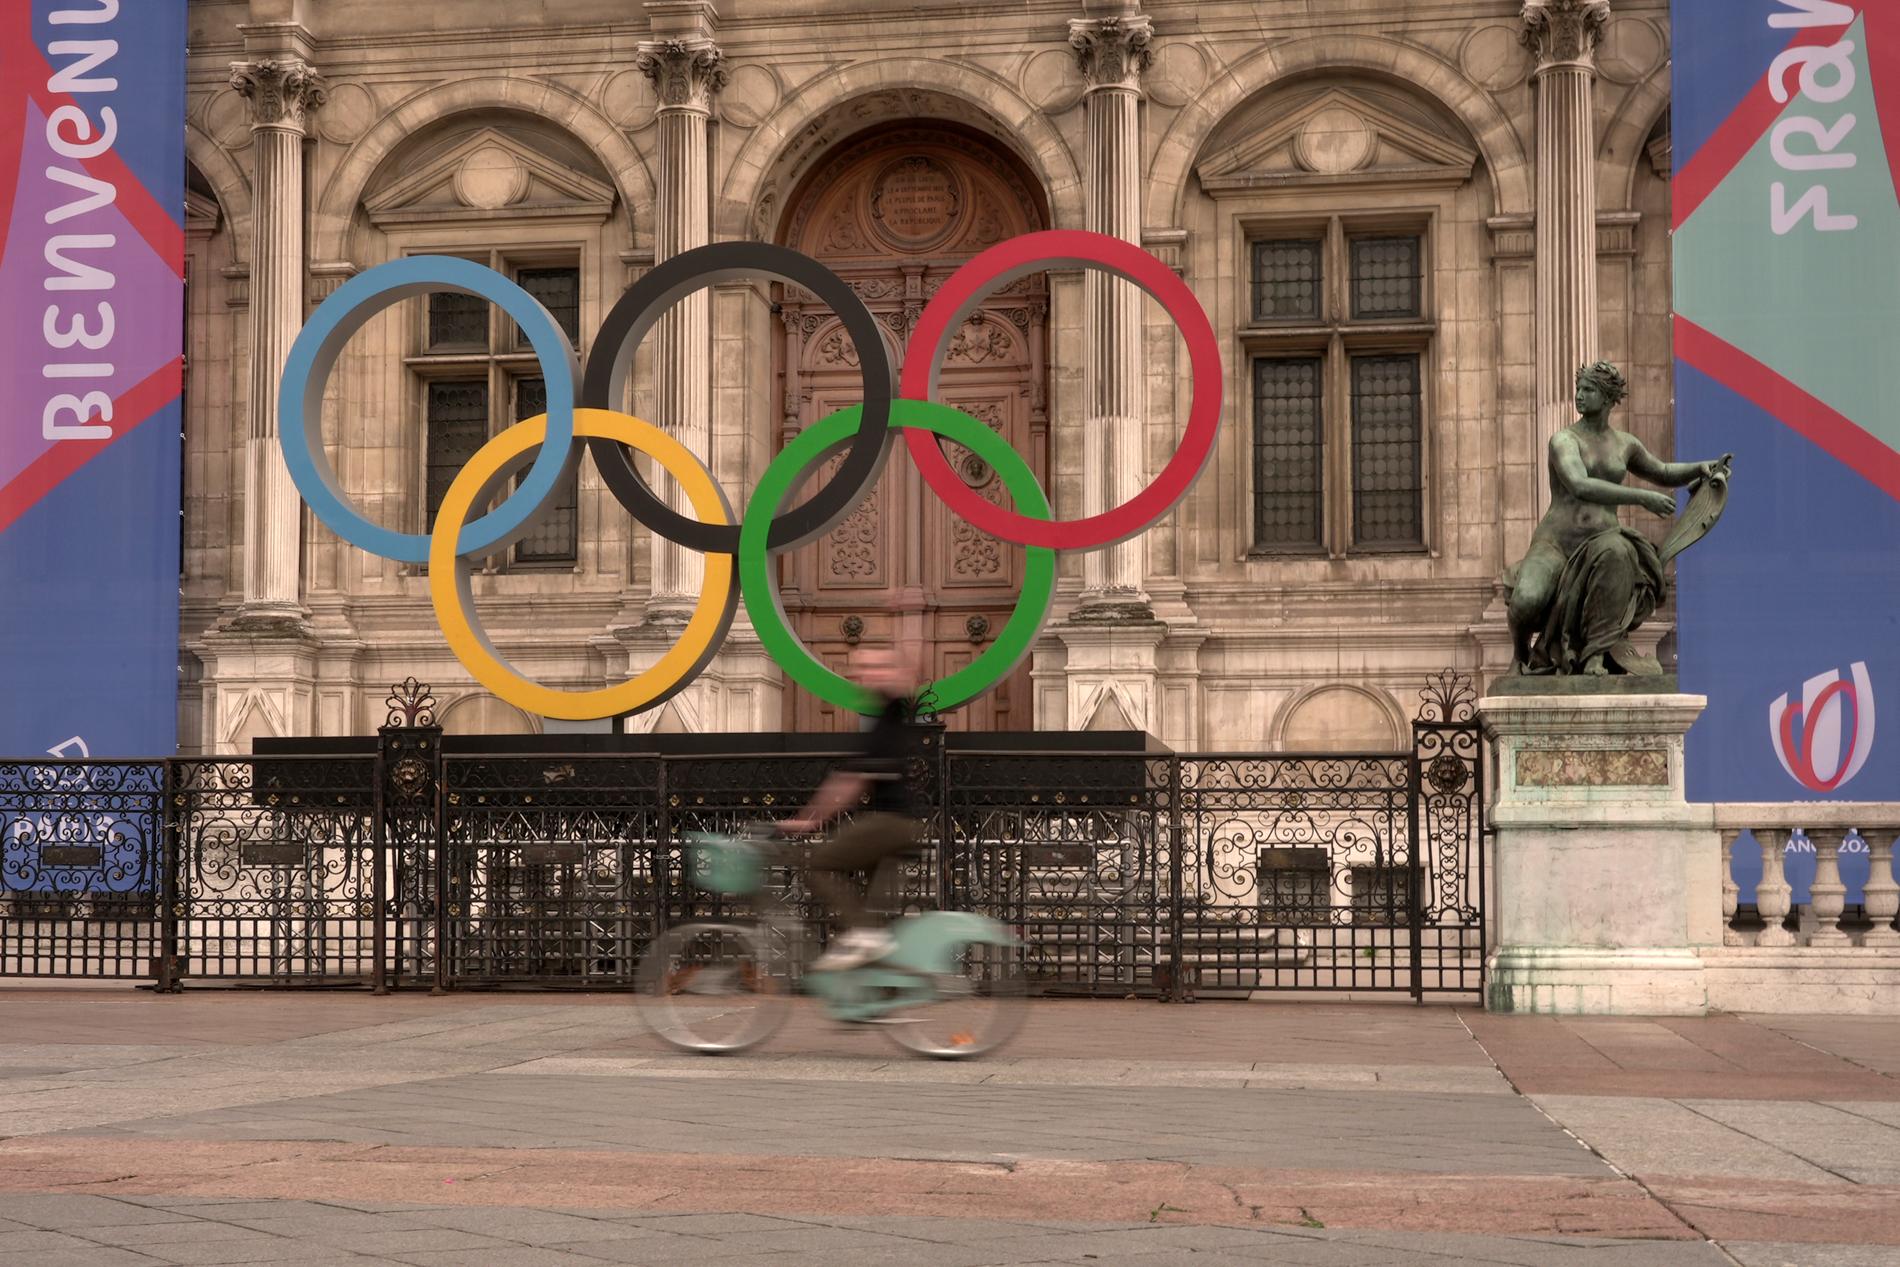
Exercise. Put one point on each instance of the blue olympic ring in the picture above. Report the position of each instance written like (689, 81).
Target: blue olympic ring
(314, 355)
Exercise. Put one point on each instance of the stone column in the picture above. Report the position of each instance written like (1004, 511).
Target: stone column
(1562, 35)
(281, 90)
(686, 72)
(1112, 53)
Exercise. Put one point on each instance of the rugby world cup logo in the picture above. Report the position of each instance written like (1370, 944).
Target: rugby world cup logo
(1823, 739)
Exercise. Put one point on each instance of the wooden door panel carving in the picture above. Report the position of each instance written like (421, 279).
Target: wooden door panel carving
(895, 213)
(858, 553)
(958, 556)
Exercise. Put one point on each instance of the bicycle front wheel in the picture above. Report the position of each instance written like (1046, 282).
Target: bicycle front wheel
(710, 988)
(978, 1007)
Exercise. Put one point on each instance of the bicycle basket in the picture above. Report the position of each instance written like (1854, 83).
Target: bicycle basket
(721, 864)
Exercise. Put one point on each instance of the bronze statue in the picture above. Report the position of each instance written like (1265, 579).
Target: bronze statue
(1587, 580)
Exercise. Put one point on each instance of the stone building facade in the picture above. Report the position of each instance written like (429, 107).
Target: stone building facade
(1409, 223)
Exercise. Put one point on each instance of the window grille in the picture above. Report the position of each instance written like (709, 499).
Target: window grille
(1386, 279)
(1286, 452)
(559, 291)
(457, 321)
(555, 531)
(1286, 280)
(1387, 491)
(458, 426)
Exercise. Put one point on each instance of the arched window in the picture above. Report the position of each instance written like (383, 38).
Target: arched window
(1336, 345)
(526, 200)
(1344, 202)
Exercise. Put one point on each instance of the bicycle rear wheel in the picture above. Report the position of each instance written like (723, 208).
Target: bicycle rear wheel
(978, 1008)
(710, 988)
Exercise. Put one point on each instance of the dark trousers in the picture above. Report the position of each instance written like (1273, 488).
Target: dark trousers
(859, 846)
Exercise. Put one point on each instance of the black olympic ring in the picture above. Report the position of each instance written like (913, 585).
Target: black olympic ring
(641, 307)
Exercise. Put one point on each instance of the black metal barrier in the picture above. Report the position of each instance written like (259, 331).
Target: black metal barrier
(404, 862)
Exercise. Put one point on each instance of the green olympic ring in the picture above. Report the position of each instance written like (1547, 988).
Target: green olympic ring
(812, 446)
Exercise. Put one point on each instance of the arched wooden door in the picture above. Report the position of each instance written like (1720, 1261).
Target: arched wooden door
(894, 213)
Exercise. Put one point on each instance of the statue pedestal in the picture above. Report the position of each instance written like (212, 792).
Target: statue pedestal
(1608, 880)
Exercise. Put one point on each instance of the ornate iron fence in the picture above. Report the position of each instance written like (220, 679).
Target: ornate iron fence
(552, 869)
(1075, 853)
(274, 869)
(82, 867)
(1122, 872)
(1296, 872)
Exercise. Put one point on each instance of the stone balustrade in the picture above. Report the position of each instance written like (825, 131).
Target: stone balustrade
(1828, 825)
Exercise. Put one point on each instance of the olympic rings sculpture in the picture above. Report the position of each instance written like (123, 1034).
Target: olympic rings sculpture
(740, 548)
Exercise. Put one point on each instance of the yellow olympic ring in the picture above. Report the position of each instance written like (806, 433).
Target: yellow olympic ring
(496, 462)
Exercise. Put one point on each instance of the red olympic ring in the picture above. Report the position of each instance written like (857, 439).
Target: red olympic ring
(1033, 253)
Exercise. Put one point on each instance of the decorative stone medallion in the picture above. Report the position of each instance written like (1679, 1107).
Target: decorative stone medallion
(228, 119)
(1178, 73)
(1630, 49)
(1593, 767)
(751, 94)
(1049, 80)
(1335, 140)
(347, 114)
(628, 100)
(490, 178)
(1493, 57)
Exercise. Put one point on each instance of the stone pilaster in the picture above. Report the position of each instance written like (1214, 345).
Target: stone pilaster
(686, 73)
(1112, 53)
(1562, 35)
(282, 90)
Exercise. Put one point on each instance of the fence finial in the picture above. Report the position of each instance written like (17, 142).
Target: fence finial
(1448, 698)
(410, 704)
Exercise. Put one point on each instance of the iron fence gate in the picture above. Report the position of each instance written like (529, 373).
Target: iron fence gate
(1121, 872)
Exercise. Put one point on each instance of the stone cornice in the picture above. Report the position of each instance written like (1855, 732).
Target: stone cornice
(1563, 32)
(281, 90)
(685, 73)
(1112, 52)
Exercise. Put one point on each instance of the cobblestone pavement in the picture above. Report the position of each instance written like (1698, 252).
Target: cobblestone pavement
(243, 1127)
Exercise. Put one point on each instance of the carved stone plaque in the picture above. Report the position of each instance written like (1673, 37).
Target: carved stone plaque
(1596, 767)
(915, 201)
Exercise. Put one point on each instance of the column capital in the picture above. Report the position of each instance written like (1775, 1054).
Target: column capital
(1563, 32)
(686, 72)
(1112, 52)
(281, 90)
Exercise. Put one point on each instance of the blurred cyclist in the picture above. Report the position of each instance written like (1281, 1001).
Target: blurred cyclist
(891, 822)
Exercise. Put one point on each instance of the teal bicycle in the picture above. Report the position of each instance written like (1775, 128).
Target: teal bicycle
(952, 988)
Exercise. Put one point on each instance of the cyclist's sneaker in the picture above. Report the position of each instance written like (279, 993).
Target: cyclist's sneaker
(854, 948)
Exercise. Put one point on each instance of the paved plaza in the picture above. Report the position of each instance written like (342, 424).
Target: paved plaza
(317, 1127)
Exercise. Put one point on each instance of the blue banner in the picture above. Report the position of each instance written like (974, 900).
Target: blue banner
(1785, 122)
(92, 167)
